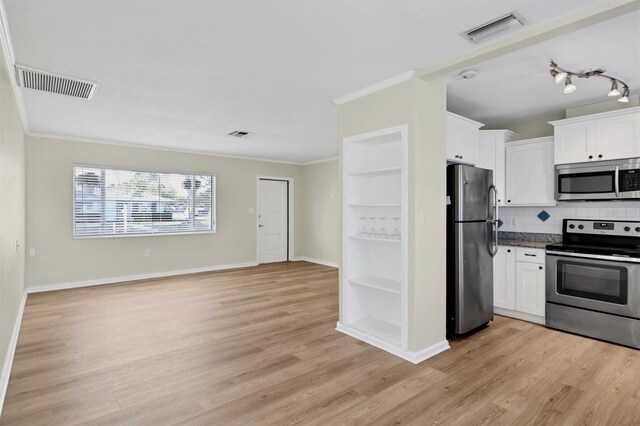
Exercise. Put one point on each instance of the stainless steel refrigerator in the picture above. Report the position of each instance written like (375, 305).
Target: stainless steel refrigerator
(472, 242)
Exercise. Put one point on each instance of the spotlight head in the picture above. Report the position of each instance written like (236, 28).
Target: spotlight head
(625, 96)
(560, 76)
(568, 86)
(614, 89)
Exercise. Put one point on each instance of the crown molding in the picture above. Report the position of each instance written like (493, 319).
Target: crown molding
(324, 160)
(376, 87)
(10, 59)
(42, 135)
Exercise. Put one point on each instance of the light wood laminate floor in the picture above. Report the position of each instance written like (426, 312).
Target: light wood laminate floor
(258, 346)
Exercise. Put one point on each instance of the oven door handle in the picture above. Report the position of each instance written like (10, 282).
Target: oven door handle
(617, 181)
(594, 256)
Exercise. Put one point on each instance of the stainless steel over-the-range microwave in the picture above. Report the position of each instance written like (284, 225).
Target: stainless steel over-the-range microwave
(604, 180)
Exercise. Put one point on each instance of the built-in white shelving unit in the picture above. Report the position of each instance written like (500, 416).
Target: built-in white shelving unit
(374, 280)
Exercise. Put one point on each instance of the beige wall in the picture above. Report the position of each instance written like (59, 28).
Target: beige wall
(61, 259)
(12, 226)
(321, 205)
(531, 128)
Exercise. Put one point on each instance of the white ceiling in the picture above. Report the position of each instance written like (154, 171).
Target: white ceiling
(518, 86)
(183, 74)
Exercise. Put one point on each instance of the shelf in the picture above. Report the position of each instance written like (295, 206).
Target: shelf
(380, 329)
(378, 172)
(374, 205)
(383, 284)
(382, 240)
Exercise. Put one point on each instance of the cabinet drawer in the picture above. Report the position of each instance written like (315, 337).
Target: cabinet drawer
(530, 255)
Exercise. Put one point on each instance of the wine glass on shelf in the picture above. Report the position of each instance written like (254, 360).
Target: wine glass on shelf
(363, 226)
(396, 228)
(372, 230)
(382, 231)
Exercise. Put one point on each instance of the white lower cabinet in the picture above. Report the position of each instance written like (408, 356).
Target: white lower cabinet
(530, 288)
(504, 270)
(518, 283)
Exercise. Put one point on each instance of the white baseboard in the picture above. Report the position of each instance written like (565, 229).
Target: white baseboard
(113, 280)
(430, 351)
(414, 357)
(318, 261)
(11, 350)
(519, 315)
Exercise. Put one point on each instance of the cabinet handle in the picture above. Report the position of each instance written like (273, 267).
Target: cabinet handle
(508, 251)
(590, 157)
(600, 156)
(461, 157)
(457, 156)
(508, 201)
(540, 267)
(530, 255)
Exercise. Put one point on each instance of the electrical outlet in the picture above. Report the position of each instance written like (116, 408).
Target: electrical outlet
(17, 245)
(147, 253)
(512, 221)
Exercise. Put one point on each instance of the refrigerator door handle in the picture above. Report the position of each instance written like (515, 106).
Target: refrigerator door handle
(494, 248)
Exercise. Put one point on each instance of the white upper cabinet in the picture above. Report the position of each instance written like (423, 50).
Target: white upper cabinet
(530, 172)
(598, 137)
(491, 155)
(462, 139)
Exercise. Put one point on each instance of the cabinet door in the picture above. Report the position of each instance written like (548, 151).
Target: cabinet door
(530, 174)
(487, 152)
(451, 143)
(530, 290)
(466, 141)
(575, 142)
(504, 264)
(618, 137)
(499, 173)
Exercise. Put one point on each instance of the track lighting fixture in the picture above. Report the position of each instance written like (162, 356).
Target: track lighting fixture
(560, 75)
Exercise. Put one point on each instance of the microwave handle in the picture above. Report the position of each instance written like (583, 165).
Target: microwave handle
(617, 181)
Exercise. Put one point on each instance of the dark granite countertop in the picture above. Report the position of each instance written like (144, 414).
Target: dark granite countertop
(528, 239)
(521, 243)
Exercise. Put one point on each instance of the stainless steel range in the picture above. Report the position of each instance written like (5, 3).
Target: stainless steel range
(593, 280)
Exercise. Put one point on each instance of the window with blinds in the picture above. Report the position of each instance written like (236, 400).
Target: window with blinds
(118, 202)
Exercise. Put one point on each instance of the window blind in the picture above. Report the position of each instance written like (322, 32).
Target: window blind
(113, 202)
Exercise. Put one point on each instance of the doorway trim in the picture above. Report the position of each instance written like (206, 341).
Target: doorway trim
(290, 215)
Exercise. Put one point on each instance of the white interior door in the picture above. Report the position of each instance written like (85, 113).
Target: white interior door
(273, 222)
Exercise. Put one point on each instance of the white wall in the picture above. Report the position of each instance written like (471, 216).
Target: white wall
(524, 219)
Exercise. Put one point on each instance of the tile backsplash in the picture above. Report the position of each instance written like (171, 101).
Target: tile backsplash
(549, 219)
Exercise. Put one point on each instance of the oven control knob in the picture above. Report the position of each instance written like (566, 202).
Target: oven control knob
(637, 228)
(580, 226)
(572, 226)
(626, 228)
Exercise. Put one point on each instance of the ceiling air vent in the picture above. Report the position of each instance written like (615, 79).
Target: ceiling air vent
(495, 27)
(239, 134)
(30, 78)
